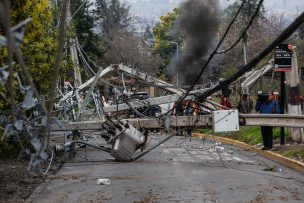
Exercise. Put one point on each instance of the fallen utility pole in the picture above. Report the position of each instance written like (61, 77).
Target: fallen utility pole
(276, 120)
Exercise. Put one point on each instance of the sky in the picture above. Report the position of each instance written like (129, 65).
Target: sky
(155, 8)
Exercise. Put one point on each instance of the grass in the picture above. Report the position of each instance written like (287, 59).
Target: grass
(293, 153)
(249, 135)
(252, 136)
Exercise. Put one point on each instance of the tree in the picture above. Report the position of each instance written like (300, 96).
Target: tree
(83, 23)
(164, 36)
(246, 12)
(262, 31)
(148, 35)
(131, 50)
(39, 44)
(111, 15)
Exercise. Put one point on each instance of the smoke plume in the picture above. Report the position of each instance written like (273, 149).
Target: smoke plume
(198, 25)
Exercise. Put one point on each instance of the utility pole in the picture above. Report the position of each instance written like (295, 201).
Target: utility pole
(245, 49)
(293, 97)
(283, 96)
(73, 51)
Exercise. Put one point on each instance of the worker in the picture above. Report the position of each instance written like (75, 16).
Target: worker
(245, 105)
(225, 103)
(266, 104)
(302, 103)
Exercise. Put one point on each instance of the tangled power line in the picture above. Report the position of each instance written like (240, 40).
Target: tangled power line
(41, 140)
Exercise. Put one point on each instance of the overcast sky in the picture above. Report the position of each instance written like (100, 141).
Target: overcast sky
(270, 4)
(155, 8)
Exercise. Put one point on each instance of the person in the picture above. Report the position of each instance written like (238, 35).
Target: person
(266, 104)
(225, 103)
(245, 105)
(302, 102)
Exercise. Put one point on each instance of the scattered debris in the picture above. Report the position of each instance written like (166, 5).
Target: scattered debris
(271, 168)
(230, 152)
(103, 181)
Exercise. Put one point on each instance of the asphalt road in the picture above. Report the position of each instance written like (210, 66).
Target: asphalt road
(181, 170)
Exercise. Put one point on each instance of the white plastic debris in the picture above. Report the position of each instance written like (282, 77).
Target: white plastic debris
(103, 181)
(219, 148)
(29, 101)
(3, 76)
(230, 152)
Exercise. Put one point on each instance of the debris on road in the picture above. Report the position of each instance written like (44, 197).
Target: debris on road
(103, 181)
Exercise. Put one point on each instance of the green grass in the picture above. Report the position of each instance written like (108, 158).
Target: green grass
(249, 135)
(293, 153)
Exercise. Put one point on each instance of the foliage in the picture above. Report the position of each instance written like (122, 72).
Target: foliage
(164, 36)
(148, 35)
(111, 15)
(263, 30)
(294, 153)
(249, 135)
(246, 12)
(39, 43)
(127, 48)
(83, 23)
(9, 148)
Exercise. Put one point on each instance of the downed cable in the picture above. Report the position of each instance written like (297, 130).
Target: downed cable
(245, 30)
(280, 39)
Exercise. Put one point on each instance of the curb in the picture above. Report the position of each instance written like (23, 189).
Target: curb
(296, 165)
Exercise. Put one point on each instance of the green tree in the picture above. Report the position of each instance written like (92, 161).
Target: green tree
(39, 44)
(164, 35)
(111, 15)
(83, 23)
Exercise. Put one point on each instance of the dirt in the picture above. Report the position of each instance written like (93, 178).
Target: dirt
(17, 183)
(294, 149)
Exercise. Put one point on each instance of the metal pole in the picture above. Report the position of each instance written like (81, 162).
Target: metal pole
(283, 96)
(245, 51)
(73, 51)
(177, 61)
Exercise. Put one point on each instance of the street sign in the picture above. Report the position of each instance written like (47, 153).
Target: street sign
(283, 58)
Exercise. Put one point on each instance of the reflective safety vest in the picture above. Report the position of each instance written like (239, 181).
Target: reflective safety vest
(188, 107)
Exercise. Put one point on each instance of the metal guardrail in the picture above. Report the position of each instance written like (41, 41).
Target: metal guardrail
(276, 120)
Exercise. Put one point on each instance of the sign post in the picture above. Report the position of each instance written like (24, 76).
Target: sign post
(283, 63)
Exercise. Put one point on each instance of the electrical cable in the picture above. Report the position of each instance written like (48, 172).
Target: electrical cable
(215, 51)
(89, 59)
(83, 58)
(281, 38)
(296, 36)
(49, 166)
(245, 30)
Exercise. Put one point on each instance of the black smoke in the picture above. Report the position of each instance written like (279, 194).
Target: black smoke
(198, 26)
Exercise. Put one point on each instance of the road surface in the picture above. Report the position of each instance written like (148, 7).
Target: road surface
(181, 170)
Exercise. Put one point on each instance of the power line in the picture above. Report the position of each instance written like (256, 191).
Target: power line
(212, 54)
(280, 39)
(245, 31)
(217, 47)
